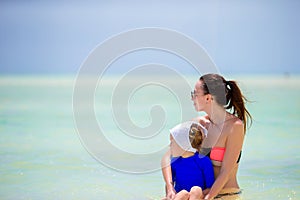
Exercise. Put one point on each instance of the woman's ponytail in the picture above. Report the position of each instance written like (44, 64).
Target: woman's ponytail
(236, 102)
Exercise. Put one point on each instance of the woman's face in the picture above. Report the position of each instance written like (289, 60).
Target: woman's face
(199, 98)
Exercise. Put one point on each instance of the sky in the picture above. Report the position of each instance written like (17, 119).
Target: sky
(55, 37)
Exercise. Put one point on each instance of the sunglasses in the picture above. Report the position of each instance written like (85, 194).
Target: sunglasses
(194, 94)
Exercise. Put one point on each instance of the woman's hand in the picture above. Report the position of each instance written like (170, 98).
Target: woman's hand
(206, 191)
(207, 197)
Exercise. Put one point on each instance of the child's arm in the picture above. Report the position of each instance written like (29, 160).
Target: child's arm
(167, 174)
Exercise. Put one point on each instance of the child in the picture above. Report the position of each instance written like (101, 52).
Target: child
(191, 171)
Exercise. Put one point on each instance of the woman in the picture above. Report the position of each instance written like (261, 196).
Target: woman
(226, 119)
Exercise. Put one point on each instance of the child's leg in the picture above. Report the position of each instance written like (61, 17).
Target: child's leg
(196, 193)
(182, 195)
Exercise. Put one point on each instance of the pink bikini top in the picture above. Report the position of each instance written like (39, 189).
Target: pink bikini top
(217, 154)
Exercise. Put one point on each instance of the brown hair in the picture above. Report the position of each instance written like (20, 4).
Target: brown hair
(227, 94)
(196, 136)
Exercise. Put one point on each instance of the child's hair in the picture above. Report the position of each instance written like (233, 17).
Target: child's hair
(196, 136)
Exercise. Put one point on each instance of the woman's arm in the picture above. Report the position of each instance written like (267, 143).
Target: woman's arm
(167, 174)
(233, 147)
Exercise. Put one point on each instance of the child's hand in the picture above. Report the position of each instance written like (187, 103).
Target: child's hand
(203, 121)
(171, 193)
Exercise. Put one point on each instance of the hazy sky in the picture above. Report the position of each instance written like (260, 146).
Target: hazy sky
(241, 37)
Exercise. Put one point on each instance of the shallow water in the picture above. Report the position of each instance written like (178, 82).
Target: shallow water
(42, 155)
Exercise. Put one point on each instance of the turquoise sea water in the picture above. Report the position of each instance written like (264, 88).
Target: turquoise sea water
(43, 157)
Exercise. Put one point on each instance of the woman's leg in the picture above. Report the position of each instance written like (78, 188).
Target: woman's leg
(182, 195)
(196, 193)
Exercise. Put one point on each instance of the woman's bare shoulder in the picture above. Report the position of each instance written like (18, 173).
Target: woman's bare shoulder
(235, 121)
(236, 127)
